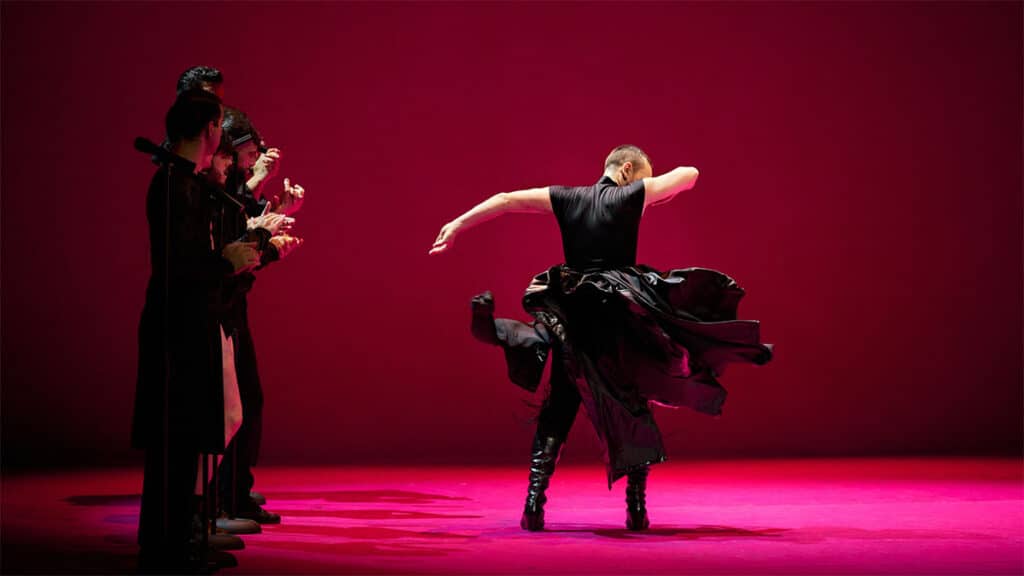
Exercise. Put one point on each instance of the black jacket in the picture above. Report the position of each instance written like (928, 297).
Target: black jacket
(179, 333)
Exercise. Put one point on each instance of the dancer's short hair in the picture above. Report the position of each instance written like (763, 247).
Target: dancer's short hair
(196, 76)
(191, 112)
(625, 153)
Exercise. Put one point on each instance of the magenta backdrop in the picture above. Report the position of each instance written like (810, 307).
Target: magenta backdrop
(860, 177)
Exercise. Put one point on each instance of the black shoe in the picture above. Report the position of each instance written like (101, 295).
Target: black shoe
(237, 525)
(543, 458)
(225, 541)
(217, 559)
(258, 498)
(636, 500)
(257, 513)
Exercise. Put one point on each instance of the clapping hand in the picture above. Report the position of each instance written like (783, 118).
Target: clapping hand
(272, 222)
(242, 255)
(285, 244)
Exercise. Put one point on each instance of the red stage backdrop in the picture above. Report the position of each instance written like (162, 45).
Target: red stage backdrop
(860, 177)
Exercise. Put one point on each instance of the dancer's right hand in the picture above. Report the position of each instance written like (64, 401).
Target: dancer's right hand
(445, 238)
(242, 255)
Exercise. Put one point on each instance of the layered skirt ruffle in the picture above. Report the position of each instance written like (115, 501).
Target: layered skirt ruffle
(629, 336)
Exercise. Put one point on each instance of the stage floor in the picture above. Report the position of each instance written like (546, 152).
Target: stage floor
(850, 516)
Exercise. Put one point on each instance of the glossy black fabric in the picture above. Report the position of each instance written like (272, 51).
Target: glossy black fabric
(558, 413)
(625, 335)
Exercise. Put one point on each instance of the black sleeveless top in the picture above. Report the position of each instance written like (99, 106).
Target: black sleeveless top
(600, 224)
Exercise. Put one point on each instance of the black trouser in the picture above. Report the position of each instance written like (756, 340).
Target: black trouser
(559, 411)
(631, 437)
(170, 549)
(243, 452)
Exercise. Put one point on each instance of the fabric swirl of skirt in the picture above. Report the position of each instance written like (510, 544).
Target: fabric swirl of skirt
(628, 337)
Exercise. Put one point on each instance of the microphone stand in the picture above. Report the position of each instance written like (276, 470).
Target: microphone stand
(167, 160)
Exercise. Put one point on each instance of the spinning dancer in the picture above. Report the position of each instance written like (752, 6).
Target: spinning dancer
(621, 335)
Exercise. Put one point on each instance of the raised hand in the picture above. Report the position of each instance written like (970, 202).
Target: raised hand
(290, 200)
(266, 165)
(446, 238)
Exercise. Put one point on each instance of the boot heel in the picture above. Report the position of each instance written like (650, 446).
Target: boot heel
(543, 458)
(533, 519)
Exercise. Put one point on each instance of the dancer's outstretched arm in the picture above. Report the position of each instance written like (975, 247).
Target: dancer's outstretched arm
(663, 188)
(533, 200)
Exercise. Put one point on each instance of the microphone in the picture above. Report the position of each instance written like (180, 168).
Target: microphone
(160, 154)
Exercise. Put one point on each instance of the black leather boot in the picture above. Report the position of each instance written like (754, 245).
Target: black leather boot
(543, 458)
(636, 500)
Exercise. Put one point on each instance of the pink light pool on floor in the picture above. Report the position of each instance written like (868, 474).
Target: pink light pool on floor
(851, 516)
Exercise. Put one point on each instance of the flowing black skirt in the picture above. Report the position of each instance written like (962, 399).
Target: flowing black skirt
(628, 337)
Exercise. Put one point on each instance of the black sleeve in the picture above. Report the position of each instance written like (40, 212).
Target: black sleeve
(268, 252)
(630, 199)
(261, 236)
(623, 196)
(566, 202)
(269, 255)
